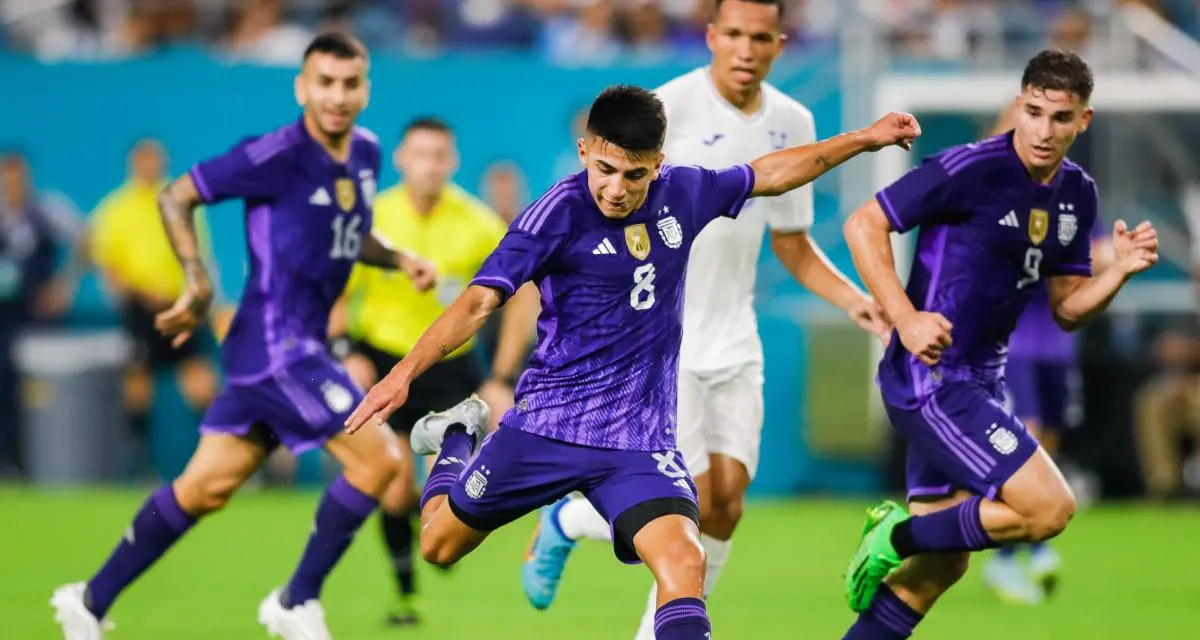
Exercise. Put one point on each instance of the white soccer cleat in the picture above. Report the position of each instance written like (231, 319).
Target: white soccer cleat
(70, 611)
(428, 432)
(301, 622)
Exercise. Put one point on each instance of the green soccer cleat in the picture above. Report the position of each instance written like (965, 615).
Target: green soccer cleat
(875, 558)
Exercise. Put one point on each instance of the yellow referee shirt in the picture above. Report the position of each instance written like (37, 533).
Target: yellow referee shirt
(385, 310)
(128, 239)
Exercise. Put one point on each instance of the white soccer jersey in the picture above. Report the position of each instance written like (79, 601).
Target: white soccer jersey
(720, 330)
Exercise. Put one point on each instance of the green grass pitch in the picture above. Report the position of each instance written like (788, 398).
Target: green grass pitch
(1130, 573)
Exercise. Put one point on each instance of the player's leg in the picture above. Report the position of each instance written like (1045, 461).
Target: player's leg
(221, 463)
(399, 519)
(649, 498)
(908, 593)
(964, 432)
(1061, 409)
(197, 380)
(1004, 572)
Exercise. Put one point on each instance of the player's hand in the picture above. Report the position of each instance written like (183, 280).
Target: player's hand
(189, 311)
(381, 402)
(1137, 250)
(925, 335)
(870, 316)
(420, 271)
(895, 128)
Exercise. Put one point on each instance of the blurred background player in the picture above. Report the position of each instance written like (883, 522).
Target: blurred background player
(33, 231)
(993, 222)
(308, 188)
(385, 314)
(718, 116)
(1043, 381)
(140, 270)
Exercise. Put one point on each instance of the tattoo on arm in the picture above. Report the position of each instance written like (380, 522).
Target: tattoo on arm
(825, 164)
(444, 349)
(177, 211)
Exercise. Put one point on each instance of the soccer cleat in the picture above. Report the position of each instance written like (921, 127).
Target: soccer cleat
(1007, 579)
(405, 614)
(875, 557)
(72, 614)
(301, 622)
(546, 558)
(1044, 566)
(428, 432)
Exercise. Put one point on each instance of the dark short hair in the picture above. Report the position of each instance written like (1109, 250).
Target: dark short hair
(1059, 71)
(630, 117)
(426, 123)
(338, 45)
(778, 4)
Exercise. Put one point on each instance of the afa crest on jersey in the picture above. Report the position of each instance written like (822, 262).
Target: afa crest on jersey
(670, 232)
(637, 239)
(346, 196)
(366, 178)
(1067, 226)
(1039, 225)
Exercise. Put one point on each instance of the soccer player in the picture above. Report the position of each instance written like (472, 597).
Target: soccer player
(996, 218)
(608, 248)
(307, 188)
(386, 314)
(1043, 386)
(718, 116)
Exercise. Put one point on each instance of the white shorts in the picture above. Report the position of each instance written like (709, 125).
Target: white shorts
(721, 412)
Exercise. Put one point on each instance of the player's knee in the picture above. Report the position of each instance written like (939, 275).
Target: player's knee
(438, 551)
(197, 383)
(373, 474)
(724, 514)
(681, 566)
(202, 496)
(1051, 520)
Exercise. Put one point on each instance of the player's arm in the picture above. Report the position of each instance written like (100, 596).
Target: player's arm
(810, 267)
(516, 327)
(378, 252)
(457, 324)
(1076, 298)
(780, 172)
(177, 207)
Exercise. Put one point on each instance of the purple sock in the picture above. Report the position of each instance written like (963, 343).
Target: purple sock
(457, 447)
(1007, 551)
(159, 523)
(682, 619)
(888, 618)
(958, 528)
(342, 511)
(1035, 547)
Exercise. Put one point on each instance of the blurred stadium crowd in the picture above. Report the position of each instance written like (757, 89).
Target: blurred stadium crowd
(566, 31)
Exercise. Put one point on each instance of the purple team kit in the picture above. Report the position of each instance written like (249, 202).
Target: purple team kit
(978, 262)
(595, 410)
(306, 216)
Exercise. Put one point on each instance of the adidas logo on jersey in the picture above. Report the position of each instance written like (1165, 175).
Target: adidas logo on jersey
(605, 248)
(320, 198)
(1010, 220)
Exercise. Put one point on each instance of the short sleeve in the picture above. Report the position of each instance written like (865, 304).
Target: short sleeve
(1076, 258)
(921, 195)
(717, 193)
(528, 245)
(245, 171)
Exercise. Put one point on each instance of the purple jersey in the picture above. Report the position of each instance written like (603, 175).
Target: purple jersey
(988, 236)
(306, 216)
(1037, 336)
(604, 371)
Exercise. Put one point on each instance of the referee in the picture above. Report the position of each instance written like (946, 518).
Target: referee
(383, 316)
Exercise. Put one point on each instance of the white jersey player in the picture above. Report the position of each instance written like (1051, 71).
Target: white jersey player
(718, 116)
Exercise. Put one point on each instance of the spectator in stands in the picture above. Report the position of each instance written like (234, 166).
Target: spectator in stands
(30, 239)
(504, 189)
(1167, 409)
(259, 33)
(139, 267)
(582, 33)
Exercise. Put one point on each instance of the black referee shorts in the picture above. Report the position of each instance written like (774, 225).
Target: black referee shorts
(445, 384)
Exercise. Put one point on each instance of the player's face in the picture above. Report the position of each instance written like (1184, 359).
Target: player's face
(617, 179)
(148, 162)
(426, 159)
(333, 91)
(1047, 123)
(745, 40)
